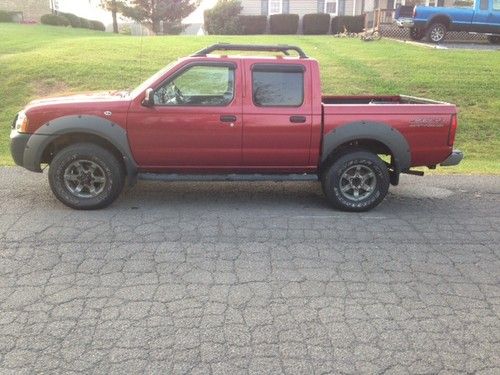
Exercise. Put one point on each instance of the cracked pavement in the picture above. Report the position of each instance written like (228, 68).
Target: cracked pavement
(259, 278)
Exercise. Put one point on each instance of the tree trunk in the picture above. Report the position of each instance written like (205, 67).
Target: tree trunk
(114, 15)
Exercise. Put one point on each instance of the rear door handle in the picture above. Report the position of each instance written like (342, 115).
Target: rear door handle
(298, 119)
(228, 118)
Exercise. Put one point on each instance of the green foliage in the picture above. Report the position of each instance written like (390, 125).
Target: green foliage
(152, 12)
(253, 25)
(284, 23)
(97, 25)
(74, 21)
(84, 23)
(316, 23)
(54, 20)
(353, 24)
(43, 60)
(5, 16)
(223, 18)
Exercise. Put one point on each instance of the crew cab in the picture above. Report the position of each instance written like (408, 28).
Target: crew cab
(220, 118)
(483, 16)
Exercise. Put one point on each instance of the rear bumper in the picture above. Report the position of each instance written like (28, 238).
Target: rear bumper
(405, 22)
(18, 143)
(454, 159)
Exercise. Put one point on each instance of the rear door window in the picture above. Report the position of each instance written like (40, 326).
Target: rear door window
(278, 85)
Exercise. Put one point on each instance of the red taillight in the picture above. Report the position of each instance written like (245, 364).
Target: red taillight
(414, 11)
(453, 130)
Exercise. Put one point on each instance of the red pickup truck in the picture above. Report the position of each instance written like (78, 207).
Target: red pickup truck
(219, 118)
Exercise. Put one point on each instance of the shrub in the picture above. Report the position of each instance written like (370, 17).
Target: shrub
(284, 23)
(251, 25)
(96, 25)
(5, 16)
(84, 23)
(316, 23)
(353, 24)
(223, 18)
(54, 20)
(74, 21)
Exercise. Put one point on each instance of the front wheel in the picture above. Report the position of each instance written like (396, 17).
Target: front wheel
(357, 181)
(86, 176)
(436, 33)
(494, 39)
(416, 33)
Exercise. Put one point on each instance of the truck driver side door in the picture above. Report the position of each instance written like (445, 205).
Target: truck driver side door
(194, 122)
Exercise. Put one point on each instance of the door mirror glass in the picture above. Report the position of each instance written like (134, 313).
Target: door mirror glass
(148, 100)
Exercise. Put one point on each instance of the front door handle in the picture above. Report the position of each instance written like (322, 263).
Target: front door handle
(298, 119)
(228, 118)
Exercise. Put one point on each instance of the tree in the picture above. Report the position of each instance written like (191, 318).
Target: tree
(114, 7)
(152, 12)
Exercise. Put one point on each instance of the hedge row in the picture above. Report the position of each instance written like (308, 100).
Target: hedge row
(5, 16)
(67, 19)
(312, 24)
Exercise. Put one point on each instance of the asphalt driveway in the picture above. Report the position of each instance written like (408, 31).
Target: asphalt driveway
(260, 278)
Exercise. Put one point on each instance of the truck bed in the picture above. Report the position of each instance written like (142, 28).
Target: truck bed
(424, 123)
(372, 99)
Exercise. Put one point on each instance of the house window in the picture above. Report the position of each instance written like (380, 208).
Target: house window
(275, 6)
(331, 7)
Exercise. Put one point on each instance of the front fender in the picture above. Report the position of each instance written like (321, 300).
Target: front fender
(374, 131)
(94, 125)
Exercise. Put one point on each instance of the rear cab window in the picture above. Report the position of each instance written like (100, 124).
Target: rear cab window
(278, 85)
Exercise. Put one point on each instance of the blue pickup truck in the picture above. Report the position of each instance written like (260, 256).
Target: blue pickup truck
(482, 16)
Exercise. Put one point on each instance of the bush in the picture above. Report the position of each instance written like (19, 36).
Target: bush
(284, 23)
(74, 21)
(316, 23)
(223, 18)
(5, 16)
(54, 20)
(251, 25)
(84, 23)
(353, 24)
(96, 25)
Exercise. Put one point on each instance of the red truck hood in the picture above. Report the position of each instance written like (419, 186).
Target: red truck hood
(83, 98)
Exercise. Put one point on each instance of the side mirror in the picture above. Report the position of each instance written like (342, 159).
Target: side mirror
(149, 99)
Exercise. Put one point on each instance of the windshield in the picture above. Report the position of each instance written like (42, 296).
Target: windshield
(147, 83)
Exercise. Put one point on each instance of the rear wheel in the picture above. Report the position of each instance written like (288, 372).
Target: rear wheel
(416, 33)
(85, 176)
(494, 39)
(357, 181)
(436, 32)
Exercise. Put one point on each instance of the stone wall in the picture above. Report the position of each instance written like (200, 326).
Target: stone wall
(31, 9)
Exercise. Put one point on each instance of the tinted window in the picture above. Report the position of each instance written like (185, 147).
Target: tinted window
(198, 85)
(484, 5)
(275, 87)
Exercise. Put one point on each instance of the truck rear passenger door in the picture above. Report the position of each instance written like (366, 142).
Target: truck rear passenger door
(277, 115)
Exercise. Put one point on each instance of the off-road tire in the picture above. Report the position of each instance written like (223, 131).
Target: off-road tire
(332, 179)
(416, 33)
(436, 32)
(112, 173)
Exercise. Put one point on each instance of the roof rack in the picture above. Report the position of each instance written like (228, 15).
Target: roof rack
(251, 47)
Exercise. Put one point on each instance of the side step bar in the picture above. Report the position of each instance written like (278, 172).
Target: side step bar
(172, 177)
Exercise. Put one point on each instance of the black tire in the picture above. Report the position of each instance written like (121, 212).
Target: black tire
(334, 176)
(436, 32)
(98, 164)
(416, 33)
(494, 39)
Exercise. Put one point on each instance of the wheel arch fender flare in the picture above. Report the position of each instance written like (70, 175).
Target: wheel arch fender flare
(369, 131)
(444, 18)
(86, 124)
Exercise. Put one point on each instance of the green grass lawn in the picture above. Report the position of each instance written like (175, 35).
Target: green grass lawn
(42, 60)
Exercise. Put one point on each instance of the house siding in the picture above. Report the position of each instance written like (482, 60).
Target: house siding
(32, 9)
(300, 7)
